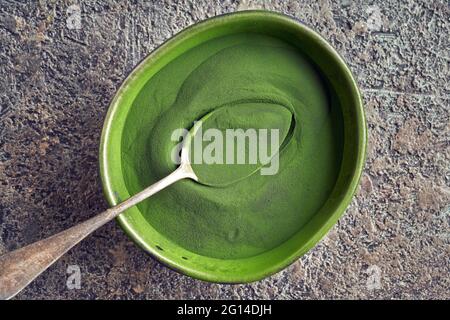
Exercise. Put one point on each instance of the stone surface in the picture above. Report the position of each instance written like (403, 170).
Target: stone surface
(58, 71)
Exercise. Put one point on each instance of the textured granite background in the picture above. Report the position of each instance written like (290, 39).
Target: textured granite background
(58, 73)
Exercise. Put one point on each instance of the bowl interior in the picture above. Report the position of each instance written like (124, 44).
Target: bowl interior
(343, 95)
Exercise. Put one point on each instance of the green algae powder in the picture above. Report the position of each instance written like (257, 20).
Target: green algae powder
(257, 213)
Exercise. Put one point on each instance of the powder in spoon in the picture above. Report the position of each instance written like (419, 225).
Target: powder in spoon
(235, 141)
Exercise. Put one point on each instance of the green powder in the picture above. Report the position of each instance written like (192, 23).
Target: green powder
(259, 212)
(235, 141)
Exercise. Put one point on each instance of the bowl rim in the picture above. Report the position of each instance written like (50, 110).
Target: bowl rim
(334, 216)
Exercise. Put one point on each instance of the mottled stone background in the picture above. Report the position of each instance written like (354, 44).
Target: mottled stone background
(58, 73)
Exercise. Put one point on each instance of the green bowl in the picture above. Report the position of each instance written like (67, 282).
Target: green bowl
(339, 77)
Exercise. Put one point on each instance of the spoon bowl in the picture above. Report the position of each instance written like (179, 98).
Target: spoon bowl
(247, 137)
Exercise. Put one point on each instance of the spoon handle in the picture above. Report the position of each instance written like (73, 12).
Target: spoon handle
(18, 268)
